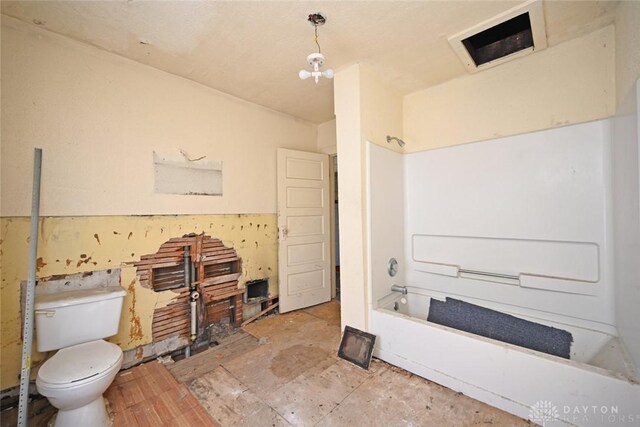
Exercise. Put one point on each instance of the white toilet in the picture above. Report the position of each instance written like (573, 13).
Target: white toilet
(75, 378)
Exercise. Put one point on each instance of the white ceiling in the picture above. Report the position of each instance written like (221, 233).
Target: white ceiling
(254, 50)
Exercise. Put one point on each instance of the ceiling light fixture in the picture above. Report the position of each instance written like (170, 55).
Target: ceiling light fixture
(316, 60)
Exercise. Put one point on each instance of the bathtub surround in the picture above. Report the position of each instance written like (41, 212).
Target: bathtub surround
(626, 176)
(521, 225)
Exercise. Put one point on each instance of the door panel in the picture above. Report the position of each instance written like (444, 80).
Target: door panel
(303, 225)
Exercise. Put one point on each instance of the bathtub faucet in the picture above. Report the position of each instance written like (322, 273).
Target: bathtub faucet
(398, 288)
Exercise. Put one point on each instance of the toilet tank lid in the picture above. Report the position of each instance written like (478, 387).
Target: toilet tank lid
(79, 296)
(79, 362)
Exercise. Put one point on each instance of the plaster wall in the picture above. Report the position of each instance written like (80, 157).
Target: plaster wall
(366, 111)
(569, 83)
(627, 40)
(327, 143)
(98, 118)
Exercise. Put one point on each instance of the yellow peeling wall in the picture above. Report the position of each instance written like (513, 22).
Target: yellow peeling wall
(98, 118)
(569, 83)
(70, 245)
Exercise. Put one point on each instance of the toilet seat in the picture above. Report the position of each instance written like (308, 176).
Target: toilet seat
(81, 363)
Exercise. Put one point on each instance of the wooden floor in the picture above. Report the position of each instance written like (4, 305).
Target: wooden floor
(146, 395)
(283, 371)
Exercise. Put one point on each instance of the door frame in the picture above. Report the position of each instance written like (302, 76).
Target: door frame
(333, 170)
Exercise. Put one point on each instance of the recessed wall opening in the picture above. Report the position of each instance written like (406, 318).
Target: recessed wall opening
(518, 32)
(501, 40)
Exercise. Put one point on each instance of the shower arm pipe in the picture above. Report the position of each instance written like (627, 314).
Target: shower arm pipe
(400, 142)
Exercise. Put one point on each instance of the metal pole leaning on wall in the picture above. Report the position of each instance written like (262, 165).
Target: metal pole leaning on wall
(27, 333)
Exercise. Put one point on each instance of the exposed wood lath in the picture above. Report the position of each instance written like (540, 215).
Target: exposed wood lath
(217, 269)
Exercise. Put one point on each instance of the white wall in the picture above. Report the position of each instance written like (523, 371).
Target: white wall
(626, 202)
(385, 196)
(99, 117)
(537, 203)
(626, 176)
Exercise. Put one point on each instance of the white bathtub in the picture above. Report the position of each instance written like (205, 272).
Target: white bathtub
(524, 382)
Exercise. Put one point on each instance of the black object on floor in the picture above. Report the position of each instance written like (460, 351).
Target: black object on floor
(500, 326)
(357, 346)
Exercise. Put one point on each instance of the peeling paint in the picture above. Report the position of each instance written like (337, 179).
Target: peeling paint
(40, 264)
(83, 261)
(130, 234)
(135, 331)
(64, 238)
(97, 238)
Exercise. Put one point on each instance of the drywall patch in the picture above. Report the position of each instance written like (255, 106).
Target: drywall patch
(187, 175)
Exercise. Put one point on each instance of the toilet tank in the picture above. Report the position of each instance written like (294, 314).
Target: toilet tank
(64, 319)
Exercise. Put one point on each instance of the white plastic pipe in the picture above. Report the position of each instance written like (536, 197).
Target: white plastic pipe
(193, 319)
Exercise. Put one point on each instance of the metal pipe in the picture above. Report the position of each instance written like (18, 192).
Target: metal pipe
(187, 266)
(390, 138)
(27, 333)
(398, 288)
(188, 282)
(486, 273)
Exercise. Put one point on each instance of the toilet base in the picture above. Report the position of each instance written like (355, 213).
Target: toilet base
(93, 414)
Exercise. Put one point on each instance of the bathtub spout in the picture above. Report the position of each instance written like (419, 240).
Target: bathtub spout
(398, 288)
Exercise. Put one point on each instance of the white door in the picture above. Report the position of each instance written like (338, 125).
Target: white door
(303, 229)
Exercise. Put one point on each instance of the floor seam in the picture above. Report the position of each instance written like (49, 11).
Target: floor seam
(247, 388)
(345, 398)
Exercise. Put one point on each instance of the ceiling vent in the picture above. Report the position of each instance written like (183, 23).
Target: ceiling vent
(515, 33)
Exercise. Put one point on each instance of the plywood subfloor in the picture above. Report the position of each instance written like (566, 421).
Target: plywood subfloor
(187, 370)
(294, 378)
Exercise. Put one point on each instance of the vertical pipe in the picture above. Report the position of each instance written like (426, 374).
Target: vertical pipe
(187, 284)
(187, 267)
(27, 333)
(193, 296)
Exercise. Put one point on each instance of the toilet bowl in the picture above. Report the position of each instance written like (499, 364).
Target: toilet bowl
(74, 380)
(74, 323)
